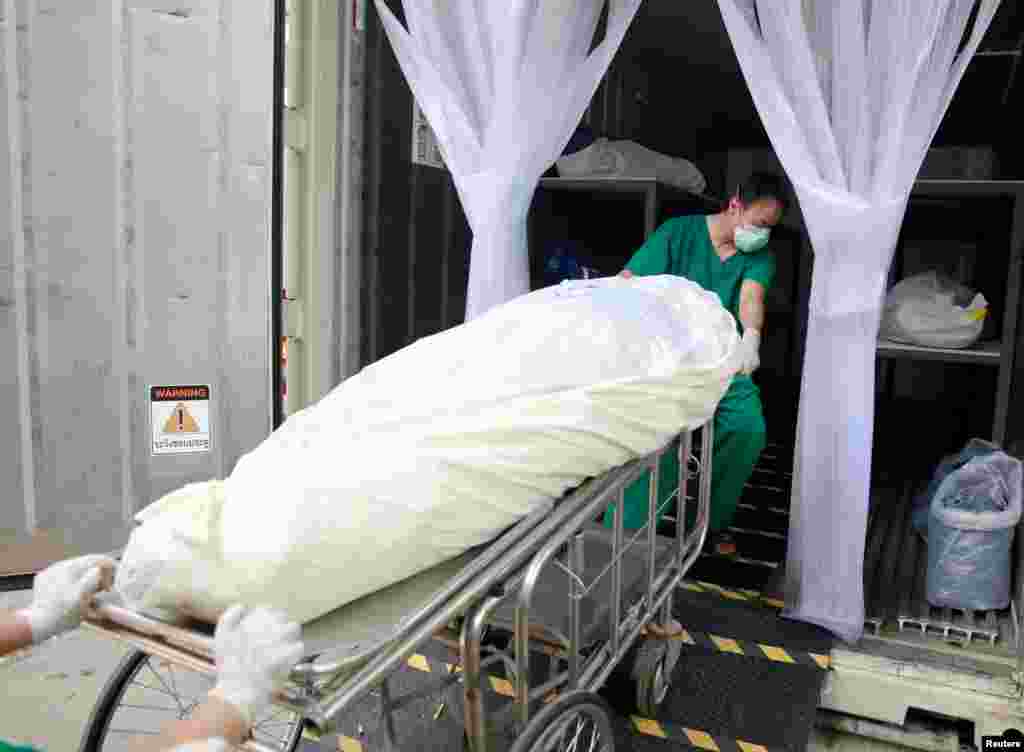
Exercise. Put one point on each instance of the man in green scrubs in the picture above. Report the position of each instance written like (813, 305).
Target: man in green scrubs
(727, 254)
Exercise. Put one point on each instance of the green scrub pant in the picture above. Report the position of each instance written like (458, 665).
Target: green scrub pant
(6, 747)
(739, 441)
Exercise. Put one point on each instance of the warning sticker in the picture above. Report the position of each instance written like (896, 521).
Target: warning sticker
(180, 419)
(425, 149)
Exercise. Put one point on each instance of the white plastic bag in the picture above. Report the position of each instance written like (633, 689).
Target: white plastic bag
(596, 160)
(627, 159)
(933, 311)
(438, 448)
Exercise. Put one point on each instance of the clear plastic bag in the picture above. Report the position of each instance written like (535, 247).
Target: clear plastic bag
(948, 465)
(934, 311)
(970, 534)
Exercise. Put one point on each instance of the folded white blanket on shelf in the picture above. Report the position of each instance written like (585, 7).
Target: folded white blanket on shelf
(439, 447)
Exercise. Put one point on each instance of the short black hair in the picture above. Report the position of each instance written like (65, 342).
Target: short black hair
(765, 185)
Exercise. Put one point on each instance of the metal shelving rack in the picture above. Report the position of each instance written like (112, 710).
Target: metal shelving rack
(896, 558)
(999, 354)
(653, 192)
(987, 353)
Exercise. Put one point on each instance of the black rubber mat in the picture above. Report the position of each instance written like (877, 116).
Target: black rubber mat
(418, 724)
(704, 612)
(729, 698)
(730, 573)
(734, 698)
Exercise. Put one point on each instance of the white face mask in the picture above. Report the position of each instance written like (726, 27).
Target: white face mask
(751, 239)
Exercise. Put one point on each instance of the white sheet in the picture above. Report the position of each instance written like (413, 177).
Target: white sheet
(439, 447)
(851, 93)
(628, 159)
(503, 85)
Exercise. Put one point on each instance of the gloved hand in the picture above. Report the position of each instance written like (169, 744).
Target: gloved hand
(63, 591)
(256, 650)
(749, 355)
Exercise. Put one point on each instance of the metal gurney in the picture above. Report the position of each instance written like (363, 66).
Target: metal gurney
(556, 583)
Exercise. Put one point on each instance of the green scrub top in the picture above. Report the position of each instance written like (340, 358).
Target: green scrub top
(683, 247)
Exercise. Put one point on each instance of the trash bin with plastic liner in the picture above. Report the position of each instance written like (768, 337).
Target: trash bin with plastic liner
(970, 534)
(922, 503)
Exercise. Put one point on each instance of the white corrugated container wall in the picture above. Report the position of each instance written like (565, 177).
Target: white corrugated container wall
(135, 246)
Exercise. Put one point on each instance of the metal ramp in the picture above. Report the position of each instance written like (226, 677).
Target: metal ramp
(746, 680)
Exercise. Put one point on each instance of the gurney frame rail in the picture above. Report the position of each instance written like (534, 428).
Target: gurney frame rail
(508, 570)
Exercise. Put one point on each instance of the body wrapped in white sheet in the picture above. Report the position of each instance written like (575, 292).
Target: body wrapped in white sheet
(439, 447)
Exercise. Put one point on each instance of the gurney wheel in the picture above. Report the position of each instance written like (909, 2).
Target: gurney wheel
(655, 662)
(146, 692)
(577, 721)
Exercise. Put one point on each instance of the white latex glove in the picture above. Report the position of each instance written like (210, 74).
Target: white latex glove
(749, 355)
(256, 650)
(63, 591)
(206, 745)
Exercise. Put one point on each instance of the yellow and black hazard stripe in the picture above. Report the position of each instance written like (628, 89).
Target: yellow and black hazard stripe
(740, 647)
(495, 684)
(503, 687)
(418, 662)
(348, 744)
(720, 644)
(749, 596)
(345, 743)
(694, 737)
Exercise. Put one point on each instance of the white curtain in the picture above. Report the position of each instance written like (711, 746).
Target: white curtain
(503, 85)
(851, 93)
